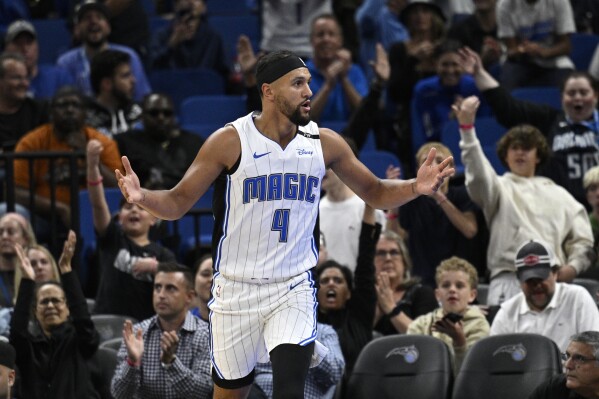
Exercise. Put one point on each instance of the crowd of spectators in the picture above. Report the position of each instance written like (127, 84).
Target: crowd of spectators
(398, 70)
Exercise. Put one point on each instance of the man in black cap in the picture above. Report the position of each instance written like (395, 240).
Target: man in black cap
(546, 307)
(7, 369)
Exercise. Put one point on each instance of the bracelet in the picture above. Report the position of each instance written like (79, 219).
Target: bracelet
(391, 216)
(466, 127)
(131, 363)
(95, 182)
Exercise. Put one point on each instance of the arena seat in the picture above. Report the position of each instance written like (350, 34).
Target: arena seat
(583, 47)
(54, 38)
(507, 366)
(211, 109)
(378, 161)
(403, 367)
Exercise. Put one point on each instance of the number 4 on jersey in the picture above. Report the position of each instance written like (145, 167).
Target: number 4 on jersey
(280, 223)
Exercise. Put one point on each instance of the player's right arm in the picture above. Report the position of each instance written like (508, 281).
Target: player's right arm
(220, 151)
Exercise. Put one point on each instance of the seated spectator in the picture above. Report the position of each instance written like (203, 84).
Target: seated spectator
(378, 22)
(544, 306)
(14, 229)
(519, 205)
(53, 361)
(43, 264)
(479, 32)
(456, 323)
(19, 113)
(7, 370)
(161, 152)
(189, 41)
(411, 61)
(448, 217)
(581, 375)
(44, 80)
(203, 285)
(66, 132)
(433, 97)
(92, 28)
(113, 112)
(128, 259)
(285, 26)
(537, 37)
(400, 298)
(322, 380)
(167, 355)
(341, 215)
(571, 132)
(348, 302)
(337, 84)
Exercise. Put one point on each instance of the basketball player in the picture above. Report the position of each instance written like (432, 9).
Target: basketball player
(267, 168)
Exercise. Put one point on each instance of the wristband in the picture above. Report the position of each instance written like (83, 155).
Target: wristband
(391, 216)
(396, 310)
(467, 127)
(131, 363)
(95, 182)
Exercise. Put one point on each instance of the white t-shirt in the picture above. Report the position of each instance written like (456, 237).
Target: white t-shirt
(570, 311)
(341, 223)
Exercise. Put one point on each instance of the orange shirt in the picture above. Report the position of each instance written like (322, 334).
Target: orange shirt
(43, 139)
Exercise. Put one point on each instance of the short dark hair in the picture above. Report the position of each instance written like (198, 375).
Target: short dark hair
(347, 273)
(580, 74)
(174, 267)
(104, 65)
(446, 46)
(67, 91)
(528, 137)
(10, 56)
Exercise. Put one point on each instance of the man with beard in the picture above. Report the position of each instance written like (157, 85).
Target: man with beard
(581, 371)
(113, 112)
(18, 113)
(161, 152)
(267, 168)
(546, 307)
(66, 132)
(92, 28)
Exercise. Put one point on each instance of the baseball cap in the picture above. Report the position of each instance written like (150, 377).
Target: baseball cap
(403, 15)
(89, 5)
(18, 27)
(534, 259)
(7, 355)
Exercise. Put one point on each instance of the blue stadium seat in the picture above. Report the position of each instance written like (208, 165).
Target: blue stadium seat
(582, 49)
(54, 38)
(378, 161)
(183, 83)
(211, 109)
(229, 7)
(548, 95)
(157, 22)
(231, 27)
(149, 7)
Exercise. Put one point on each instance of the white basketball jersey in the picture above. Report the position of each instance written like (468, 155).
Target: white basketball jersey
(266, 209)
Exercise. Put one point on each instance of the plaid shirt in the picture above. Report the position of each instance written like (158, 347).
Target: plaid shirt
(322, 379)
(187, 377)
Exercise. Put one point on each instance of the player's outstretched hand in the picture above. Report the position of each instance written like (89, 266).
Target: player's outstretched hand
(430, 175)
(129, 184)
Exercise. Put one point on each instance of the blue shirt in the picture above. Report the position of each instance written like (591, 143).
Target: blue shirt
(431, 107)
(77, 65)
(337, 107)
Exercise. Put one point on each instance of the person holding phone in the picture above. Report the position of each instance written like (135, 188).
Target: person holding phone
(456, 323)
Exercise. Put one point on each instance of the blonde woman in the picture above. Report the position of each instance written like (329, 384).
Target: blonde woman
(43, 264)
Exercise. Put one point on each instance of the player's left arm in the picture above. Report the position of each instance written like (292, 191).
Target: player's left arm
(380, 193)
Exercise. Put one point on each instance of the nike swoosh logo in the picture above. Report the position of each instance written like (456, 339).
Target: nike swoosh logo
(256, 156)
(292, 286)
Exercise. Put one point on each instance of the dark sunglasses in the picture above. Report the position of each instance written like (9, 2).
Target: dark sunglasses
(155, 112)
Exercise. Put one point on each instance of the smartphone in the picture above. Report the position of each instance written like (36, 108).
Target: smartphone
(453, 317)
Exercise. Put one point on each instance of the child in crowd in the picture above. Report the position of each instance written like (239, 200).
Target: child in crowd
(456, 323)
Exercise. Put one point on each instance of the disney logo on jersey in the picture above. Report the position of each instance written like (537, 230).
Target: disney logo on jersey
(302, 152)
(517, 351)
(409, 353)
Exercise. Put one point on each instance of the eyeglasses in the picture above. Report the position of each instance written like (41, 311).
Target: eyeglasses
(576, 359)
(54, 301)
(394, 253)
(155, 112)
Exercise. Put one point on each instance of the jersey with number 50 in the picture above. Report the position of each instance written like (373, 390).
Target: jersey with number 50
(266, 208)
